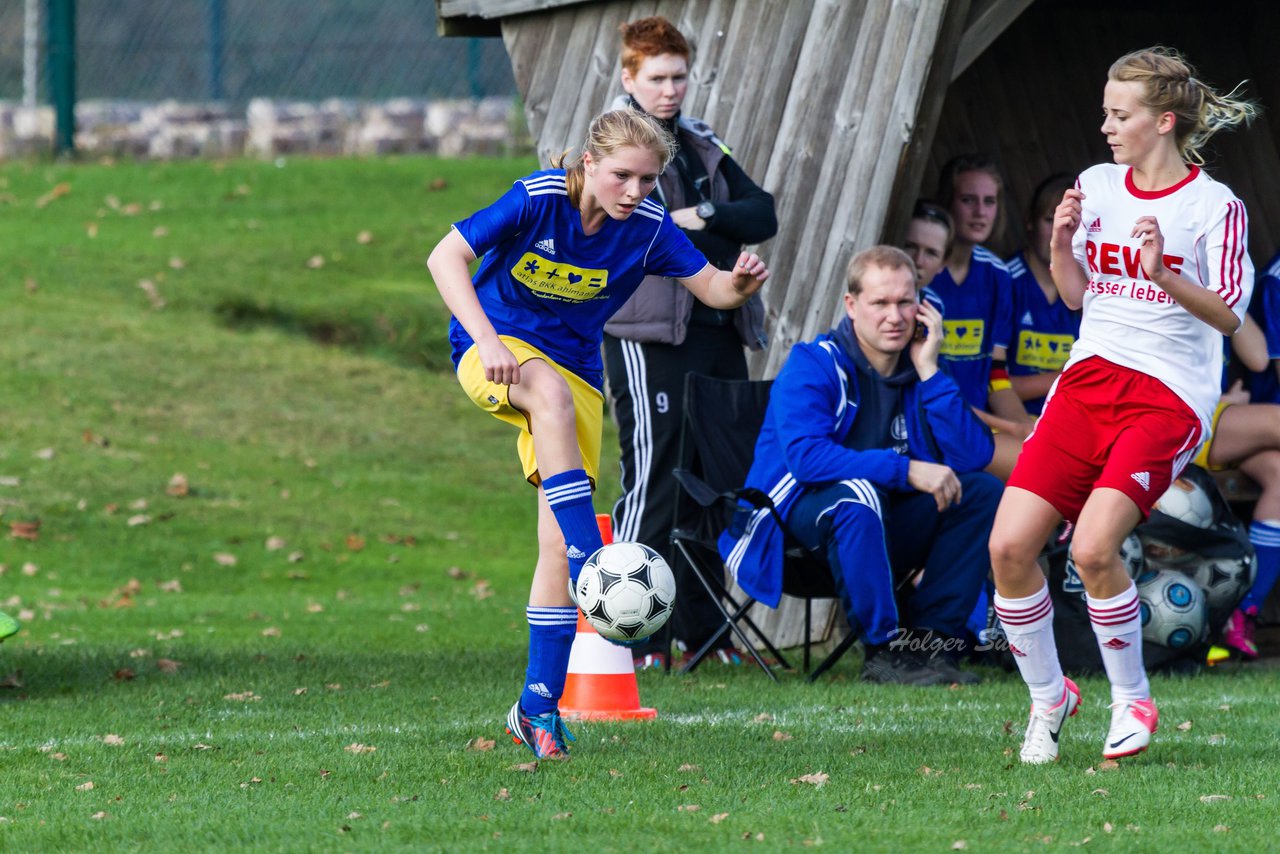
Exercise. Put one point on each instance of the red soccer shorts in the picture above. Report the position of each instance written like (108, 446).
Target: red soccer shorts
(1107, 426)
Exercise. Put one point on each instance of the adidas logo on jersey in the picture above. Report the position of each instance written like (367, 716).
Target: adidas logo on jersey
(1027, 319)
(575, 553)
(1143, 478)
(540, 689)
(1094, 226)
(548, 246)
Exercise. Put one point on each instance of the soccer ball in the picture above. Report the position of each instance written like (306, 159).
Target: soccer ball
(1172, 608)
(1130, 555)
(626, 591)
(1185, 501)
(1135, 562)
(1225, 581)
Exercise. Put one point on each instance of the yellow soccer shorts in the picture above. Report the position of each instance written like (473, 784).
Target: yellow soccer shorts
(1202, 456)
(588, 406)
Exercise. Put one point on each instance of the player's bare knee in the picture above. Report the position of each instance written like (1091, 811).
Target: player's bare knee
(1092, 557)
(1011, 555)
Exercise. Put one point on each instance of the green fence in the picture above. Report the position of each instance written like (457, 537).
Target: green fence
(234, 50)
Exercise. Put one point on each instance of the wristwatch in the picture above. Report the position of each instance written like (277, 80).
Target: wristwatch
(705, 210)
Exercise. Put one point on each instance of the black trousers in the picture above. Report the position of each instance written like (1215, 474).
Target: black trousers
(646, 387)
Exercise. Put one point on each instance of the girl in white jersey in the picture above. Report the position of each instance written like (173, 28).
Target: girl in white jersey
(1155, 251)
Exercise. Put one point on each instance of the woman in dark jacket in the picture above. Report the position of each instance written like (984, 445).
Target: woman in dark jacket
(663, 332)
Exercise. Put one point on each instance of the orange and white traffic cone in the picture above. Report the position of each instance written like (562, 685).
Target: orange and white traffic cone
(601, 685)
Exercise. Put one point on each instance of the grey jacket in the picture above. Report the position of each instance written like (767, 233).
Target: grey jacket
(659, 310)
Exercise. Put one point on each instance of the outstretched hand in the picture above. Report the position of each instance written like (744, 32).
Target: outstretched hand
(1066, 218)
(748, 274)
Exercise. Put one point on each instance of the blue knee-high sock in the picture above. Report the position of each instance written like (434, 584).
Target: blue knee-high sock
(551, 632)
(1265, 536)
(569, 494)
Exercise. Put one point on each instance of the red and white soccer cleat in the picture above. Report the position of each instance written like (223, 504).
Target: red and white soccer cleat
(1040, 744)
(1132, 725)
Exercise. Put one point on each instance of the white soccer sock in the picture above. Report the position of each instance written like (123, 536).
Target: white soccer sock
(1028, 623)
(1117, 623)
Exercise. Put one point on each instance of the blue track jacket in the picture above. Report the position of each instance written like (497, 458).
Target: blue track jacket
(812, 407)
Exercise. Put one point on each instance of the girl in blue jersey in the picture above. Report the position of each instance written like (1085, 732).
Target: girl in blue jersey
(975, 290)
(561, 251)
(1043, 327)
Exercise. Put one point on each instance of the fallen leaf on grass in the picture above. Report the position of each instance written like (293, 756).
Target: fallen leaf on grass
(159, 231)
(124, 674)
(25, 530)
(527, 767)
(242, 696)
(176, 263)
(503, 795)
(561, 815)
(57, 192)
(364, 238)
(763, 717)
(178, 486)
(271, 632)
(12, 680)
(355, 542)
(818, 779)
(203, 747)
(689, 768)
(101, 814)
(61, 757)
(85, 786)
(160, 757)
(315, 262)
(1213, 799)
(1218, 738)
(172, 586)
(1221, 828)
(274, 544)
(959, 845)
(480, 744)
(140, 519)
(1108, 765)
(30, 569)
(152, 293)
(481, 590)
(688, 808)
(112, 739)
(296, 557)
(167, 665)
(718, 817)
(779, 735)
(45, 454)
(91, 229)
(1184, 726)
(458, 574)
(359, 748)
(225, 559)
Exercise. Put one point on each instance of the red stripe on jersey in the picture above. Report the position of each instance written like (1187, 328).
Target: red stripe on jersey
(1157, 194)
(1231, 266)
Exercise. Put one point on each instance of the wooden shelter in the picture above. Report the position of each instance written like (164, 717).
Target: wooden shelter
(846, 109)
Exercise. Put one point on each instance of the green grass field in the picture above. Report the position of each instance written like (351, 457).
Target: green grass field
(275, 596)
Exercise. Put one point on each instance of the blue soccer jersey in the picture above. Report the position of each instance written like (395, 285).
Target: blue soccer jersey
(1265, 309)
(977, 317)
(546, 282)
(1042, 332)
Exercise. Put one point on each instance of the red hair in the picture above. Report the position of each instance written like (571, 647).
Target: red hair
(648, 37)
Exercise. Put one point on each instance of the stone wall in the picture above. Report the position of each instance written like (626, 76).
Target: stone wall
(271, 128)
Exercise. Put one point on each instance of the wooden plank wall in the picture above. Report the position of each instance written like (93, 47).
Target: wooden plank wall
(818, 98)
(1034, 99)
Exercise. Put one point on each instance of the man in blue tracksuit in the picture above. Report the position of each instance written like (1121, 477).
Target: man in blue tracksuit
(874, 459)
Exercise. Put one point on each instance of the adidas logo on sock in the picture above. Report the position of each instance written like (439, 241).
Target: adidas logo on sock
(548, 246)
(540, 689)
(575, 553)
(1143, 478)
(1117, 644)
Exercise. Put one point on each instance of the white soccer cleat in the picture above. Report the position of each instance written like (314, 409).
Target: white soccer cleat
(1132, 725)
(1040, 744)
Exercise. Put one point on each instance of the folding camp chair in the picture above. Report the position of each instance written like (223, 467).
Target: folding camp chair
(721, 421)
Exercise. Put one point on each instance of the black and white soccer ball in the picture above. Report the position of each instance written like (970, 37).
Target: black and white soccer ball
(1173, 609)
(1224, 580)
(626, 591)
(1130, 555)
(1186, 501)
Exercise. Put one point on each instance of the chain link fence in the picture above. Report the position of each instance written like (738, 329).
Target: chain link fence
(235, 50)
